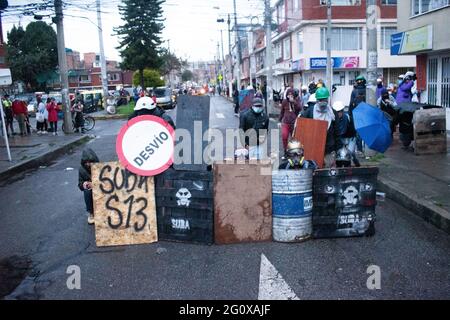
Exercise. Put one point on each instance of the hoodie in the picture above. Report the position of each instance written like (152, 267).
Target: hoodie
(84, 173)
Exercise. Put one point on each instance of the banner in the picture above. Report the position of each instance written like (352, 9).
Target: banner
(337, 63)
(412, 41)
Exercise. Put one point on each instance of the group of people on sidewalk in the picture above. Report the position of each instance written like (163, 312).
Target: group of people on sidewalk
(46, 116)
(342, 140)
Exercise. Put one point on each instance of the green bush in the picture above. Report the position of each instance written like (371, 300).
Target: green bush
(152, 78)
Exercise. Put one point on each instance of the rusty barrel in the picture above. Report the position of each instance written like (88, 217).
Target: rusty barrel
(292, 205)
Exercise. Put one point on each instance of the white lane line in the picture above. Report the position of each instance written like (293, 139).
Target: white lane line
(272, 285)
(220, 115)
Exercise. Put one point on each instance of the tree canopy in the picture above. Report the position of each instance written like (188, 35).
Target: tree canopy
(187, 75)
(140, 36)
(32, 54)
(152, 78)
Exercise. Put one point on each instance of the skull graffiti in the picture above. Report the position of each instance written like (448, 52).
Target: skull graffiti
(350, 195)
(184, 195)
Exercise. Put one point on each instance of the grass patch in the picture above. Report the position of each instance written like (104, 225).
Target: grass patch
(127, 109)
(376, 158)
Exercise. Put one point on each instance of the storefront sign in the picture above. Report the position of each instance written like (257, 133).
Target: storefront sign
(337, 63)
(298, 65)
(412, 41)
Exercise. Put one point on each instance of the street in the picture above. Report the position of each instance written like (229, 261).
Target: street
(43, 228)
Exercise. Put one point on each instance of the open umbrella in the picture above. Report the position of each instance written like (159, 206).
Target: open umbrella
(372, 126)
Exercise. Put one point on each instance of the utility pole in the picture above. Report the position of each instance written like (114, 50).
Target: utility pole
(223, 62)
(372, 53)
(63, 66)
(229, 54)
(238, 47)
(268, 64)
(329, 75)
(102, 55)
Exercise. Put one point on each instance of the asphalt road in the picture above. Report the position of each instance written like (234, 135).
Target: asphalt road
(44, 230)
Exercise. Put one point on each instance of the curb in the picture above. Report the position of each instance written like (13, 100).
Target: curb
(427, 210)
(42, 159)
(111, 117)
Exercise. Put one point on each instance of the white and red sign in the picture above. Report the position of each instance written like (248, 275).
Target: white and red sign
(145, 145)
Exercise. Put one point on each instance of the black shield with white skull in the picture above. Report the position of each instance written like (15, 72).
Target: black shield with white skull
(344, 201)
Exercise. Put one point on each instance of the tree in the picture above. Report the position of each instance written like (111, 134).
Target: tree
(152, 78)
(187, 75)
(170, 62)
(140, 35)
(32, 54)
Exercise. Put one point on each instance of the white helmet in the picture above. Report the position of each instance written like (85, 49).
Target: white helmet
(409, 73)
(379, 80)
(338, 106)
(312, 98)
(401, 76)
(145, 103)
(304, 87)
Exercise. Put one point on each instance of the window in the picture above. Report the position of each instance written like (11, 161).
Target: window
(287, 48)
(341, 2)
(84, 78)
(339, 78)
(389, 2)
(281, 14)
(352, 76)
(300, 41)
(342, 39)
(278, 52)
(296, 5)
(423, 6)
(113, 76)
(386, 32)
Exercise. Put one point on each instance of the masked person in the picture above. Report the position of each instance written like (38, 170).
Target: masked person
(404, 91)
(358, 95)
(388, 105)
(88, 157)
(380, 87)
(290, 109)
(146, 106)
(343, 158)
(294, 157)
(305, 96)
(257, 121)
(347, 134)
(323, 111)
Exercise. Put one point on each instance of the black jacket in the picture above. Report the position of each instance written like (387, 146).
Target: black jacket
(157, 112)
(252, 120)
(333, 142)
(358, 95)
(84, 173)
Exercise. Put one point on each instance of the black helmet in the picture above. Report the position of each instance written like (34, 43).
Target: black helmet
(296, 93)
(343, 157)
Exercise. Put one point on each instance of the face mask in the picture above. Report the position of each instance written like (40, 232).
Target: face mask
(323, 106)
(257, 109)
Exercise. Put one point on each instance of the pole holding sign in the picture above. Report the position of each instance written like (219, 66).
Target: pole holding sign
(145, 145)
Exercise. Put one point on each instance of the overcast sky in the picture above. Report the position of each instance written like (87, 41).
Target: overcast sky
(191, 26)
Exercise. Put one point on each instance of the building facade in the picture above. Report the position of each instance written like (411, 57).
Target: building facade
(423, 31)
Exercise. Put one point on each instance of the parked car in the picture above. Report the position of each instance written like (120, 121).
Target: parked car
(164, 98)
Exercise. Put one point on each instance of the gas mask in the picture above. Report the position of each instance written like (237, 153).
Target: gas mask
(323, 106)
(257, 109)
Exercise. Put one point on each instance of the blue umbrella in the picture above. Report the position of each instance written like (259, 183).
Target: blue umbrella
(372, 126)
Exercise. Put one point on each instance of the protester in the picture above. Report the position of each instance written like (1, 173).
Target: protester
(305, 96)
(88, 157)
(404, 93)
(290, 110)
(323, 111)
(347, 134)
(146, 106)
(294, 157)
(388, 105)
(52, 109)
(380, 87)
(344, 158)
(236, 100)
(20, 112)
(254, 118)
(358, 95)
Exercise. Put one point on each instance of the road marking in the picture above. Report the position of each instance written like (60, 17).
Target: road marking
(271, 284)
(220, 115)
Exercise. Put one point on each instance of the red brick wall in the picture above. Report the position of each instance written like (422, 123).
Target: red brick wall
(3, 54)
(312, 10)
(421, 71)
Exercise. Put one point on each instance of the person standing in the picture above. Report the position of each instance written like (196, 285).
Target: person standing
(52, 109)
(9, 117)
(236, 100)
(404, 91)
(358, 95)
(20, 111)
(323, 111)
(305, 96)
(78, 115)
(146, 106)
(388, 105)
(380, 88)
(41, 115)
(290, 109)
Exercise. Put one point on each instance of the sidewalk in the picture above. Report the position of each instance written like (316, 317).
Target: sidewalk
(419, 183)
(103, 115)
(33, 151)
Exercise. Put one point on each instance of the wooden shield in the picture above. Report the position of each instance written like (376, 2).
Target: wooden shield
(242, 203)
(313, 134)
(124, 206)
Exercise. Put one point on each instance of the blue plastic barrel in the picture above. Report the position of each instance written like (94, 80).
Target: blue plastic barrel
(292, 204)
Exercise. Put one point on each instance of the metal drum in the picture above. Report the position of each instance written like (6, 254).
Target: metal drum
(292, 204)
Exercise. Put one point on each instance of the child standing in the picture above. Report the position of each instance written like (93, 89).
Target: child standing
(88, 157)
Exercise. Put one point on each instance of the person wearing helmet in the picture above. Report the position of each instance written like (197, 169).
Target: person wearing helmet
(380, 87)
(323, 111)
(311, 102)
(343, 158)
(290, 109)
(358, 95)
(305, 96)
(388, 105)
(404, 91)
(294, 157)
(312, 87)
(146, 106)
(254, 124)
(347, 136)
